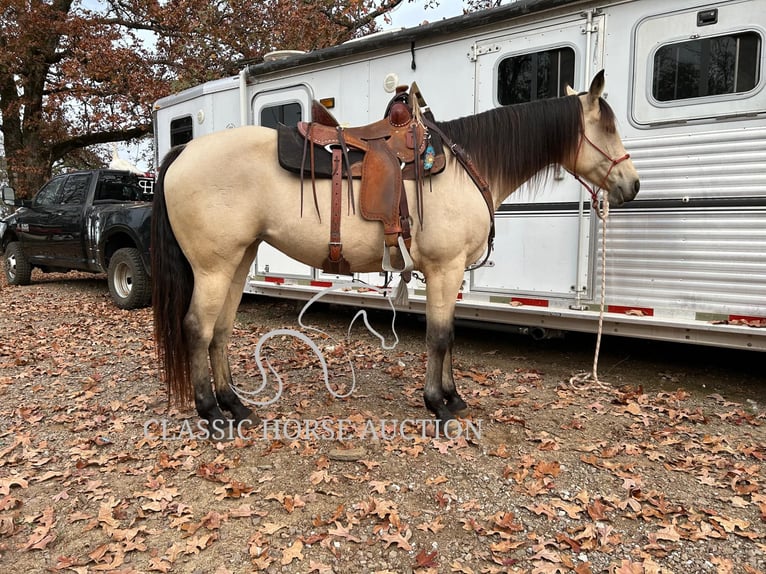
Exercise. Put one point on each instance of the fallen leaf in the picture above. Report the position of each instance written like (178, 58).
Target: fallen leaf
(294, 552)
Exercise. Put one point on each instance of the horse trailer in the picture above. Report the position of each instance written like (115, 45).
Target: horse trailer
(685, 261)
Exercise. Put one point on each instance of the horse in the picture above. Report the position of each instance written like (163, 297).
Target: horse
(218, 197)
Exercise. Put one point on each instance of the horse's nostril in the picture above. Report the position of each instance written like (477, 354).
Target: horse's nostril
(636, 186)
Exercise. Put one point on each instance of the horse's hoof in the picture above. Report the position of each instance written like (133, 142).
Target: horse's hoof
(222, 437)
(251, 420)
(457, 406)
(451, 429)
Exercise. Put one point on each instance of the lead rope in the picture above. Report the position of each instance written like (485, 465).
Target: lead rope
(580, 381)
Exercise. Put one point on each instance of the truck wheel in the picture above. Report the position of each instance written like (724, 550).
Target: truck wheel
(129, 283)
(18, 271)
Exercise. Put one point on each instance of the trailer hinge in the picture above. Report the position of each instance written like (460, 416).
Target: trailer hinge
(477, 51)
(590, 26)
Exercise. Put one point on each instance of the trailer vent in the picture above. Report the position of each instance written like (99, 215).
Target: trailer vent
(277, 55)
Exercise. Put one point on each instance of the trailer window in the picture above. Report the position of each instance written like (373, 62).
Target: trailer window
(706, 67)
(535, 76)
(282, 114)
(181, 131)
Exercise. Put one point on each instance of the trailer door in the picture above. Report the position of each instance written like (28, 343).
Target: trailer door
(543, 235)
(288, 106)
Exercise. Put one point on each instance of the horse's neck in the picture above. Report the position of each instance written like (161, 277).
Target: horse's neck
(509, 146)
(531, 155)
(502, 189)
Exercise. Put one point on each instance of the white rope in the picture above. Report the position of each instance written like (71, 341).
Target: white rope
(579, 381)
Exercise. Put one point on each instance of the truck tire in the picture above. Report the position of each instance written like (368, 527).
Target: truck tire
(129, 283)
(18, 270)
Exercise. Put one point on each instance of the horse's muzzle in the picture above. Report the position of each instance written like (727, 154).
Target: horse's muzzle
(624, 192)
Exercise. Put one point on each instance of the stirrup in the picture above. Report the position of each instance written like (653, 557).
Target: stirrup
(408, 264)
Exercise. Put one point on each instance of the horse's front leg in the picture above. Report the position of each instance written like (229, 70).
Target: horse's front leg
(454, 402)
(440, 394)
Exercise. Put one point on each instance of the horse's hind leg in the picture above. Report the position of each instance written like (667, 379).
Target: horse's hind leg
(441, 294)
(219, 357)
(208, 300)
(199, 322)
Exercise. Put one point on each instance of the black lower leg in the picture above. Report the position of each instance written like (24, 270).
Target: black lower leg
(208, 409)
(229, 401)
(437, 342)
(454, 402)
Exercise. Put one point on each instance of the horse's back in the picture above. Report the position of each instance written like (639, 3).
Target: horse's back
(219, 153)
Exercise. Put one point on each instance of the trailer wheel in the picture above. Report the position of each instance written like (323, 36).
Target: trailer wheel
(18, 270)
(129, 283)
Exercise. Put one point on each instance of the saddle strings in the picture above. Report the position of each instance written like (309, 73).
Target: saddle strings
(309, 147)
(347, 162)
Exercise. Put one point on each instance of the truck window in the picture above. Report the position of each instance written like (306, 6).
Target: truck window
(50, 194)
(535, 76)
(119, 188)
(73, 192)
(284, 114)
(181, 131)
(706, 67)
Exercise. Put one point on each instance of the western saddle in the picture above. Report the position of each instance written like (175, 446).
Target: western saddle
(382, 154)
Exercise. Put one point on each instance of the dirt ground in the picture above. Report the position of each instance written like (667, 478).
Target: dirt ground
(661, 471)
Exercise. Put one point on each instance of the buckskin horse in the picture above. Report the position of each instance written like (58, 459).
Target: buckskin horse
(218, 197)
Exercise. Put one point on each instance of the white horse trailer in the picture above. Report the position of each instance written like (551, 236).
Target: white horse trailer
(685, 261)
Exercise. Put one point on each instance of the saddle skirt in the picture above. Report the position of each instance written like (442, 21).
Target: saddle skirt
(382, 154)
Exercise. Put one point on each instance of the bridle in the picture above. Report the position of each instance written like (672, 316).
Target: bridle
(613, 163)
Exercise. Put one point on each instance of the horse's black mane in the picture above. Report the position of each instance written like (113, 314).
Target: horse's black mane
(517, 142)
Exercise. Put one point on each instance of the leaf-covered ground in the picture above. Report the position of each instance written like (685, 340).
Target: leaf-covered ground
(661, 472)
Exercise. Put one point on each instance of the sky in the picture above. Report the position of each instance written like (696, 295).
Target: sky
(406, 15)
(409, 14)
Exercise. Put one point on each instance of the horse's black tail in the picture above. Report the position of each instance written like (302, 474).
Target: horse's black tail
(172, 286)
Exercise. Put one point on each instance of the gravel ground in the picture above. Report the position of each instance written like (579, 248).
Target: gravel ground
(660, 471)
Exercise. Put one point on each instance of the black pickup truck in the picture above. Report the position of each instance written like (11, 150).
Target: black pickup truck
(96, 221)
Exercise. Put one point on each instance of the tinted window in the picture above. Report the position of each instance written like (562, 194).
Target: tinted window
(120, 188)
(51, 193)
(707, 67)
(181, 131)
(75, 188)
(535, 76)
(285, 114)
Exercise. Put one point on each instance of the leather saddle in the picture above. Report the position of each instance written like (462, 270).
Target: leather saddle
(382, 155)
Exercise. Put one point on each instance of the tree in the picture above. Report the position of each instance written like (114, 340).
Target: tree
(73, 77)
(69, 79)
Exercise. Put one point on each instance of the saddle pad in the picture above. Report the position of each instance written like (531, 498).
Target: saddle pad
(290, 146)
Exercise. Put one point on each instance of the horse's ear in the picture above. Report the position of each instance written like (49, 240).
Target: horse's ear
(570, 91)
(596, 87)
